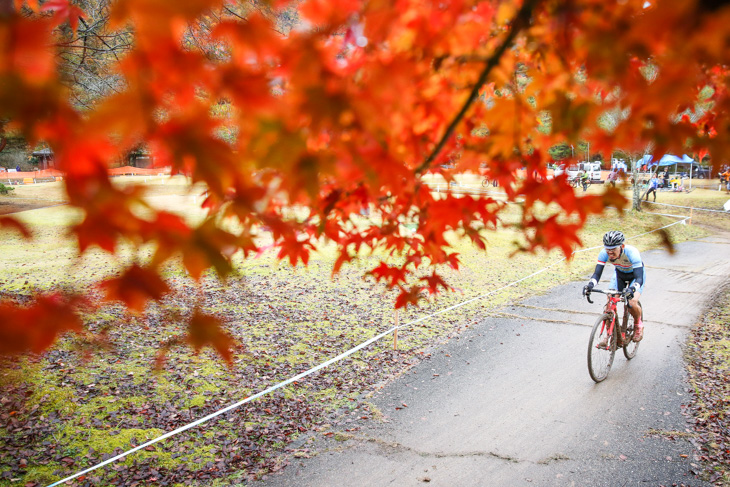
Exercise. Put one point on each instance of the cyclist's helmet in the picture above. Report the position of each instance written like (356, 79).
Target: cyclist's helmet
(613, 239)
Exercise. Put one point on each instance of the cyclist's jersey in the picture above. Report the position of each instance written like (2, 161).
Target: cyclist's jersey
(629, 268)
(629, 260)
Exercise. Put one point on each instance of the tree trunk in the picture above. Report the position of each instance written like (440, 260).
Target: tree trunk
(637, 188)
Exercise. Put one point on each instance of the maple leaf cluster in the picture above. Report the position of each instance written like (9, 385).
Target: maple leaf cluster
(345, 115)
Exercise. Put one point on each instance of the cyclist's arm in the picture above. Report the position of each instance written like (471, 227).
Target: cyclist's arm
(602, 258)
(639, 276)
(597, 274)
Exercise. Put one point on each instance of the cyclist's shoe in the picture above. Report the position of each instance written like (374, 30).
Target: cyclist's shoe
(603, 344)
(638, 331)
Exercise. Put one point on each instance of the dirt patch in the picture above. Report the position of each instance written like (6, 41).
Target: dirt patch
(32, 197)
(8, 206)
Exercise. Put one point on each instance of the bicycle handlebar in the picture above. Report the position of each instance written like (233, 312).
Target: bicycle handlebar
(610, 292)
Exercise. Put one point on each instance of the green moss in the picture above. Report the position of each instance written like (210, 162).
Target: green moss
(42, 474)
(78, 442)
(196, 401)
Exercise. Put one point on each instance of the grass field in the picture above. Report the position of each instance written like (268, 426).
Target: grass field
(85, 402)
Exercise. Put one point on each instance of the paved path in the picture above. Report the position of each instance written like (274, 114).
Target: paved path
(510, 401)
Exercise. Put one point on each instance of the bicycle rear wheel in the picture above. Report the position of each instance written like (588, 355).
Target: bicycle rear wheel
(601, 359)
(630, 347)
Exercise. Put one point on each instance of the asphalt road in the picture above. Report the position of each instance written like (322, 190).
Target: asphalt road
(510, 401)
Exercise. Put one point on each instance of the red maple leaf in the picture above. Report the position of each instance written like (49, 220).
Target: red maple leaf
(36, 326)
(392, 275)
(64, 10)
(8, 222)
(206, 330)
(408, 296)
(434, 281)
(136, 287)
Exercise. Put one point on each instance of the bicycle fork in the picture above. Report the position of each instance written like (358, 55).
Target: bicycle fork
(611, 326)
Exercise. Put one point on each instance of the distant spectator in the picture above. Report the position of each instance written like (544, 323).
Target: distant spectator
(17, 168)
(725, 176)
(612, 177)
(653, 185)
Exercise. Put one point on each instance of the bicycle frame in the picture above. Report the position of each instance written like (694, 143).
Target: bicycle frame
(611, 309)
(601, 352)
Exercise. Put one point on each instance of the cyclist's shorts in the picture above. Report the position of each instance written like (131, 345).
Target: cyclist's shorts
(620, 283)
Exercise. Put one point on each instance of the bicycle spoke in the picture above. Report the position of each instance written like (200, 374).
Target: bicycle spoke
(631, 346)
(600, 356)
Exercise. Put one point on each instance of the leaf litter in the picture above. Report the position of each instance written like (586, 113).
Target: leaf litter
(708, 364)
(74, 406)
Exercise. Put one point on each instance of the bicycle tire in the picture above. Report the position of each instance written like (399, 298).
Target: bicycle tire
(485, 182)
(632, 346)
(600, 360)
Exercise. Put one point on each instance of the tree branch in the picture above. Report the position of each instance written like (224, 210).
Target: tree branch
(6, 8)
(520, 21)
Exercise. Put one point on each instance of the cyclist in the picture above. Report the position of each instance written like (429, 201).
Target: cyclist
(584, 178)
(629, 271)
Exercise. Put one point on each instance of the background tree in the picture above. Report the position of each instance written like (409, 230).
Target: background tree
(348, 113)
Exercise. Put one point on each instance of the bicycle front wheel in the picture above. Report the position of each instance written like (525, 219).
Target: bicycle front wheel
(630, 347)
(600, 359)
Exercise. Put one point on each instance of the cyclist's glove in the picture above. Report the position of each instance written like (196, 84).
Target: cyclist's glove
(632, 289)
(588, 288)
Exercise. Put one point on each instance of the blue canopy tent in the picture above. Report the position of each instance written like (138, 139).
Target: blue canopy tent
(669, 160)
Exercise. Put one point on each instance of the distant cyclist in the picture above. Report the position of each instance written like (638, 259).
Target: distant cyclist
(583, 178)
(629, 271)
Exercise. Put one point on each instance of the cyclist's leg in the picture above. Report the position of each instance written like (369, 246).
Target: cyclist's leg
(612, 285)
(635, 311)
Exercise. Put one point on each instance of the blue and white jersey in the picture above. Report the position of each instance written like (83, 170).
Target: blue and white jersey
(629, 260)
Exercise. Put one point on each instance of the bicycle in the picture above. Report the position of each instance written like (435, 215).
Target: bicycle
(600, 359)
(486, 181)
(576, 183)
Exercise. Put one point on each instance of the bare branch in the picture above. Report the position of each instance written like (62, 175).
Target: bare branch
(520, 21)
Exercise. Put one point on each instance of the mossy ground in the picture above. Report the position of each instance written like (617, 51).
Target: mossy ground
(285, 321)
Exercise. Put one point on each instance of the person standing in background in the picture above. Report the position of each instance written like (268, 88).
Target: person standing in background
(653, 185)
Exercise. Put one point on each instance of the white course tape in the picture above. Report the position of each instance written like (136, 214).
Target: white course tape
(688, 207)
(323, 365)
